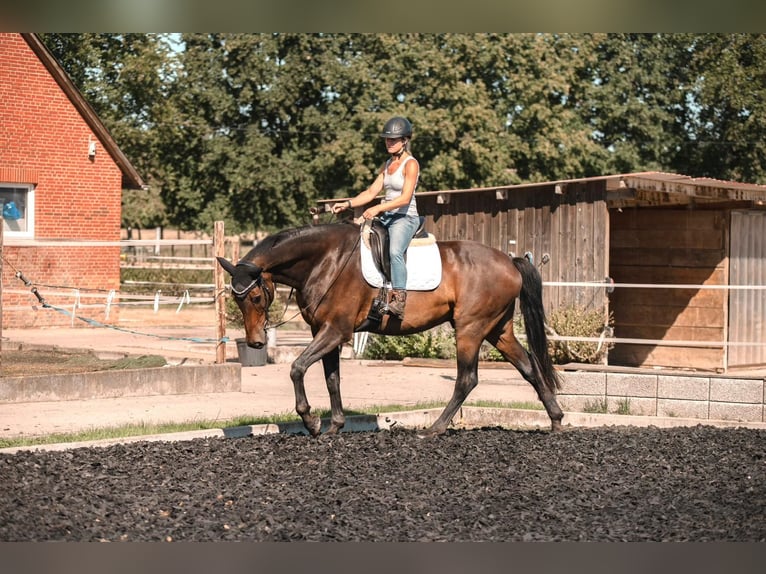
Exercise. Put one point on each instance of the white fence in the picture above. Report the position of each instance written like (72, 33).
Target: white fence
(148, 254)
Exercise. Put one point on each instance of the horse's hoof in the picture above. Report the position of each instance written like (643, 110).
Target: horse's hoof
(314, 426)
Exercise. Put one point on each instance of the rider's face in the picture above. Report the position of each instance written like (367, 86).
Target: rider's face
(393, 145)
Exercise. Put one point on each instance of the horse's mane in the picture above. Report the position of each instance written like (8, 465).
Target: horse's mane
(306, 232)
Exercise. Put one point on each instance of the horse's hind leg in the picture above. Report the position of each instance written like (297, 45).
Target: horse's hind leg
(512, 350)
(467, 379)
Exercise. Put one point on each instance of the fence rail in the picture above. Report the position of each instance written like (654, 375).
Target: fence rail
(109, 299)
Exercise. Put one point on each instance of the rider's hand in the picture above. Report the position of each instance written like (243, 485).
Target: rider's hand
(340, 206)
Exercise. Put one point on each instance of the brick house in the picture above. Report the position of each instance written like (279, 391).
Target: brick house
(61, 181)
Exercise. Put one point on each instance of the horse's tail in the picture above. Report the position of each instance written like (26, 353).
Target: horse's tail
(531, 298)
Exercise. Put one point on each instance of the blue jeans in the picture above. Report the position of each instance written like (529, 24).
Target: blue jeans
(401, 228)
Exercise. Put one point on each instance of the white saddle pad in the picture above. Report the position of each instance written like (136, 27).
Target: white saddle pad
(424, 266)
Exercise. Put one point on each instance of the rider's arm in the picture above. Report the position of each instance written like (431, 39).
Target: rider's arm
(362, 198)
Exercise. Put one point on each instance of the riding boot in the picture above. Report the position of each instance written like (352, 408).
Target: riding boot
(398, 301)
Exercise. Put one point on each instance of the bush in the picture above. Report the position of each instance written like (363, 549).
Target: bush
(575, 321)
(436, 343)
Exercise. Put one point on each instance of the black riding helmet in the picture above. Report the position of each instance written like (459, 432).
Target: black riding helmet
(397, 127)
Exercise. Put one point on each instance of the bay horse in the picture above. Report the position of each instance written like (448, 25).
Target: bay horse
(476, 295)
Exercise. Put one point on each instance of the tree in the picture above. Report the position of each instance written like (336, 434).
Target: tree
(728, 124)
(254, 128)
(635, 99)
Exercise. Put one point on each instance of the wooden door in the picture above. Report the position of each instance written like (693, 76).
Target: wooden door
(747, 307)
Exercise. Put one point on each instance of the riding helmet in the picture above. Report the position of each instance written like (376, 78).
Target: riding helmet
(397, 127)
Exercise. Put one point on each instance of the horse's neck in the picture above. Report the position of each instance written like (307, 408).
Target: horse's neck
(292, 260)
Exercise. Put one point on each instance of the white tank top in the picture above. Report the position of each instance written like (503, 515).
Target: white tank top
(393, 184)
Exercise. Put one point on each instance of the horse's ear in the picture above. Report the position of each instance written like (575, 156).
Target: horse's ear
(227, 265)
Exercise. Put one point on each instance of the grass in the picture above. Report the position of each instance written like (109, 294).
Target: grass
(623, 406)
(595, 406)
(145, 429)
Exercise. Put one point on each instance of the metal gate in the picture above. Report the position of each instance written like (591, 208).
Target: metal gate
(747, 307)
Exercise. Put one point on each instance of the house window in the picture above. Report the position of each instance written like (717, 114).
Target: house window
(18, 201)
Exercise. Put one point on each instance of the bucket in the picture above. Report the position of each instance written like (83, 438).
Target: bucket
(250, 357)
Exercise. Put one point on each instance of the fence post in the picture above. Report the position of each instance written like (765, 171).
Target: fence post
(219, 247)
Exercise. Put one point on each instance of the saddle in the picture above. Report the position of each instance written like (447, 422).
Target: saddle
(423, 266)
(375, 236)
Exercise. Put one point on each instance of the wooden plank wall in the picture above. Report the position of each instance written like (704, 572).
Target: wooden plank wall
(571, 227)
(672, 246)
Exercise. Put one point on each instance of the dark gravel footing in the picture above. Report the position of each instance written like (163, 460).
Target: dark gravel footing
(607, 484)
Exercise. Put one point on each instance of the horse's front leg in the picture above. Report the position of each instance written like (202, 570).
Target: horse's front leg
(331, 364)
(321, 345)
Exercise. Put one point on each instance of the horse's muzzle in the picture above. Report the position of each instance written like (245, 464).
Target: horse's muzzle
(255, 344)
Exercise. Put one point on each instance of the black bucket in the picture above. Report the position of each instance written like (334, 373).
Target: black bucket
(250, 357)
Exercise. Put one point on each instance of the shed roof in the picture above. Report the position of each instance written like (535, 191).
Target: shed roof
(660, 188)
(646, 188)
(130, 177)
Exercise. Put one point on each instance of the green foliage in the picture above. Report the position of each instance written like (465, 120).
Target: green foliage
(437, 343)
(574, 321)
(252, 129)
(596, 406)
(623, 406)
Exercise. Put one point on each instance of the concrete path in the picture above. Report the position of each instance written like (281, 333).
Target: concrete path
(266, 389)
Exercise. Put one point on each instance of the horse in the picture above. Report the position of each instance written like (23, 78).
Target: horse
(476, 295)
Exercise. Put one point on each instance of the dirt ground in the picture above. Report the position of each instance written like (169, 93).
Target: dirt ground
(62, 362)
(70, 361)
(631, 484)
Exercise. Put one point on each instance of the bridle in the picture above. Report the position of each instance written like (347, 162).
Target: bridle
(257, 281)
(269, 295)
(256, 273)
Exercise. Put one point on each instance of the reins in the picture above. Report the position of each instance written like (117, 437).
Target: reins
(342, 267)
(282, 320)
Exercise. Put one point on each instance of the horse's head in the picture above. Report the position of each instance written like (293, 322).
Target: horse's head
(253, 293)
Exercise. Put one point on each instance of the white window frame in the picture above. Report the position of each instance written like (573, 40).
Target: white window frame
(29, 215)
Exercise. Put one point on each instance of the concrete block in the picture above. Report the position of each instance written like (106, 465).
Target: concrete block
(580, 403)
(477, 417)
(682, 409)
(584, 383)
(736, 390)
(631, 385)
(123, 383)
(736, 412)
(635, 405)
(683, 388)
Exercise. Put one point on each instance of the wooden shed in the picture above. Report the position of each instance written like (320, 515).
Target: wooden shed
(686, 257)
(61, 181)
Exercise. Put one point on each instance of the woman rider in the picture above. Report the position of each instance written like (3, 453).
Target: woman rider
(398, 211)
